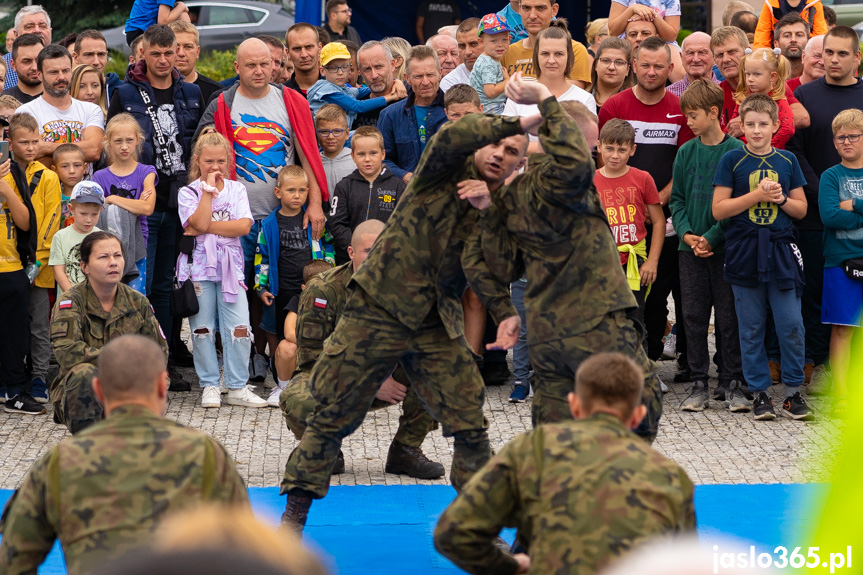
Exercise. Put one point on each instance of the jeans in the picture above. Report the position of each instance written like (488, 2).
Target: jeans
(161, 262)
(235, 349)
(811, 244)
(15, 335)
(703, 287)
(520, 357)
(751, 305)
(40, 341)
(656, 304)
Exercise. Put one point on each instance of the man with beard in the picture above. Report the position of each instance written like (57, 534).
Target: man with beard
(469, 49)
(61, 118)
(813, 64)
(25, 51)
(377, 66)
(790, 36)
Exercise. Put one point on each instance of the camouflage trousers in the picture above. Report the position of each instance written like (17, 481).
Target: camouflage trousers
(556, 362)
(360, 354)
(75, 403)
(298, 403)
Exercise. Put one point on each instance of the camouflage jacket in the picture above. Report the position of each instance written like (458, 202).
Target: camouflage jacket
(321, 305)
(580, 492)
(80, 328)
(551, 216)
(104, 490)
(416, 263)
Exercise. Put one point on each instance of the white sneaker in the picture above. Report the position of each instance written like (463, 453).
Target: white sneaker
(273, 400)
(211, 397)
(245, 398)
(669, 350)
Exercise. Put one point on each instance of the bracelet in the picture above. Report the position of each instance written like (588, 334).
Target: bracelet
(785, 201)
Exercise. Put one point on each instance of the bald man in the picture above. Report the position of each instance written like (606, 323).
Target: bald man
(249, 112)
(314, 325)
(697, 62)
(446, 48)
(119, 477)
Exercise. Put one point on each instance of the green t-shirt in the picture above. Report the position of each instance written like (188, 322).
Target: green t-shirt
(66, 251)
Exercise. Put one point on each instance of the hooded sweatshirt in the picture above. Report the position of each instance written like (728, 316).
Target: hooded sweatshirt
(338, 168)
(357, 200)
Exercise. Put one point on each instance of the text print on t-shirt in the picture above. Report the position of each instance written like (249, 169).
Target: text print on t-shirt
(621, 217)
(655, 132)
(762, 213)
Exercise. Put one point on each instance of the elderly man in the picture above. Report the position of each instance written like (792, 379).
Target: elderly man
(469, 48)
(697, 62)
(536, 15)
(120, 477)
(791, 35)
(279, 116)
(29, 20)
(304, 51)
(408, 125)
(813, 64)
(446, 48)
(377, 66)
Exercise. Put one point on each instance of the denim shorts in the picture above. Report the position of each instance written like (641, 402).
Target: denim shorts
(842, 298)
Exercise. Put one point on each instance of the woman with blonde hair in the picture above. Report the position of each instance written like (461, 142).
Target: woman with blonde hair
(88, 85)
(595, 32)
(400, 48)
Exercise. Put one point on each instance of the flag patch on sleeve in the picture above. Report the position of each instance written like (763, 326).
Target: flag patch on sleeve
(321, 303)
(65, 304)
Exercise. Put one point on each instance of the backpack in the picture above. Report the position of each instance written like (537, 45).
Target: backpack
(26, 241)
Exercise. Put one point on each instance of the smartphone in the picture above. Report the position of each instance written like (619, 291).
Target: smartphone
(4, 151)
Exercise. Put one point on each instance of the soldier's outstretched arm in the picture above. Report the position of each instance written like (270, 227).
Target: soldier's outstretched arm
(466, 531)
(456, 141)
(67, 338)
(491, 285)
(27, 533)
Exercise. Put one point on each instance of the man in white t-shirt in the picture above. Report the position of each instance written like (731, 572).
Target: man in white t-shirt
(469, 49)
(61, 118)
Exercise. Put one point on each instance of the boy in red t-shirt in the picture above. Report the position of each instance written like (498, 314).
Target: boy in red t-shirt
(630, 199)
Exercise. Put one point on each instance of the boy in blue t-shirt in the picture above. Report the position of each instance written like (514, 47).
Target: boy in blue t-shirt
(840, 197)
(145, 13)
(760, 189)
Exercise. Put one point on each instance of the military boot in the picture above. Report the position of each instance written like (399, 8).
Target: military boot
(296, 512)
(339, 467)
(411, 461)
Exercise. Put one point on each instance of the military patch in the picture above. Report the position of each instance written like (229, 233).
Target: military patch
(65, 304)
(59, 328)
(321, 303)
(313, 330)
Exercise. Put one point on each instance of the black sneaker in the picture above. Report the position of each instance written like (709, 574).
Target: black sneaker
(178, 383)
(763, 407)
(683, 375)
(795, 407)
(495, 373)
(181, 357)
(719, 392)
(25, 404)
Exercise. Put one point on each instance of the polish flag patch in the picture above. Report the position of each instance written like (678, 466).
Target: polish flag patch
(66, 304)
(321, 303)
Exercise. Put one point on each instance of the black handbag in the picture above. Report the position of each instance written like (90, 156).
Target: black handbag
(854, 268)
(184, 300)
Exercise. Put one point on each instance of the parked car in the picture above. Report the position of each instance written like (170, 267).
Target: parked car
(848, 12)
(223, 25)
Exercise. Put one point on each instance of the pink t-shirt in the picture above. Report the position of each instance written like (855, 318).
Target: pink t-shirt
(625, 200)
(232, 203)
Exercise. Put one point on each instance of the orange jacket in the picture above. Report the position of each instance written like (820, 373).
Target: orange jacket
(812, 12)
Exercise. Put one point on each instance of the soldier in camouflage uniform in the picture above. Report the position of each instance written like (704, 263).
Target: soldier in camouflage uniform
(321, 304)
(577, 299)
(80, 328)
(581, 492)
(105, 490)
(404, 305)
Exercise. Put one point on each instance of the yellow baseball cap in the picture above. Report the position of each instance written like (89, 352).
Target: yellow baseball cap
(334, 51)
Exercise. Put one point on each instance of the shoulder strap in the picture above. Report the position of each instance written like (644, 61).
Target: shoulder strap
(34, 183)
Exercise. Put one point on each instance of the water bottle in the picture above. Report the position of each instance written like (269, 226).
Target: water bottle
(33, 271)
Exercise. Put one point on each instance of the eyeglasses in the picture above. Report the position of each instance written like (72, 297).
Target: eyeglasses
(327, 133)
(609, 62)
(345, 11)
(850, 138)
(342, 68)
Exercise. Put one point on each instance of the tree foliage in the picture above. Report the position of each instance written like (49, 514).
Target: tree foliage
(69, 16)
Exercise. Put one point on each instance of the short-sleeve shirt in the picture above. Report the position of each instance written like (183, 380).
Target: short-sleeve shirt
(742, 171)
(231, 204)
(437, 14)
(520, 59)
(662, 8)
(66, 251)
(64, 126)
(625, 200)
(513, 20)
(130, 187)
(294, 252)
(660, 130)
(263, 145)
(144, 14)
(487, 71)
(293, 305)
(573, 94)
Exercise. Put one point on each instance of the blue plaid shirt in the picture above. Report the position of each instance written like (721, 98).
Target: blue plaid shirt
(11, 76)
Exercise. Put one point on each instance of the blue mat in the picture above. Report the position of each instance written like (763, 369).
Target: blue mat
(383, 529)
